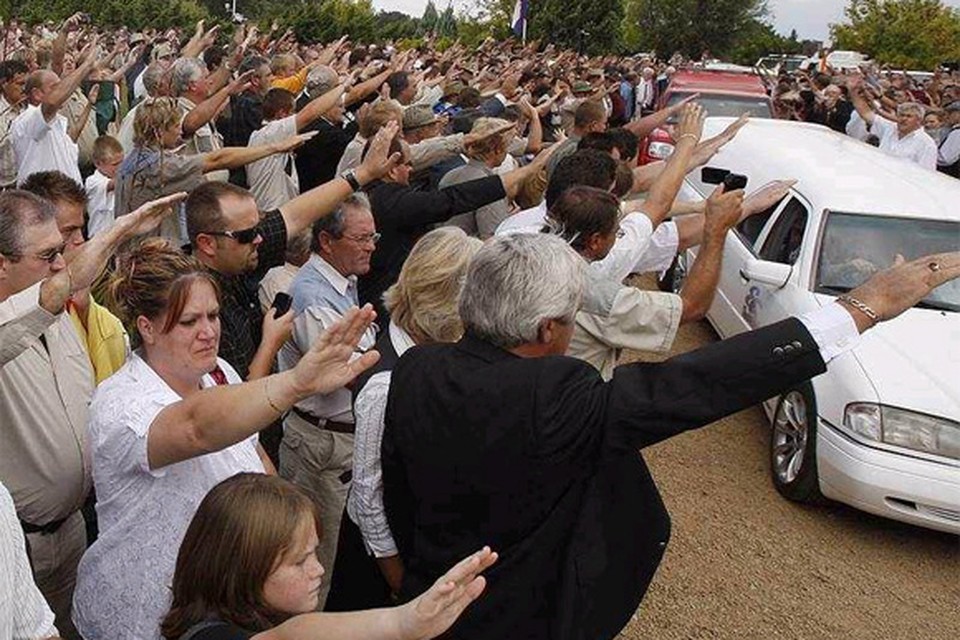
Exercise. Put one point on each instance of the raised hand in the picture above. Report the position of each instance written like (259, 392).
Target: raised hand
(434, 611)
(291, 143)
(378, 161)
(329, 364)
(691, 122)
(723, 210)
(766, 196)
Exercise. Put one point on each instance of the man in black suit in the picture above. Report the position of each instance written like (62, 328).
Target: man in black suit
(499, 439)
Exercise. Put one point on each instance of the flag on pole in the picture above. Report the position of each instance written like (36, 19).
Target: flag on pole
(519, 20)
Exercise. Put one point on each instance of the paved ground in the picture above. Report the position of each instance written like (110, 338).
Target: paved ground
(744, 563)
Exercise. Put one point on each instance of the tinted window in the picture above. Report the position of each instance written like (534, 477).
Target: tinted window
(724, 105)
(750, 228)
(783, 243)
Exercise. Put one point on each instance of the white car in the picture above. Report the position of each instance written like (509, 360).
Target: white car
(880, 430)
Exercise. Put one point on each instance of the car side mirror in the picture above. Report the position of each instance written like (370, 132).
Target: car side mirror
(775, 274)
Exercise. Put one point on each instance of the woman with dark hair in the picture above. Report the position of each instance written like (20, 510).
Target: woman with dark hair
(170, 424)
(248, 568)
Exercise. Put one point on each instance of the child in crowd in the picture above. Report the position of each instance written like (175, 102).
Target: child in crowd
(107, 156)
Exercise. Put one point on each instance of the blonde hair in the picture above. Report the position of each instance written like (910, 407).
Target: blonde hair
(491, 144)
(423, 302)
(154, 116)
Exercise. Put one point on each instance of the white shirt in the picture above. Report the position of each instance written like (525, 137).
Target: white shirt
(23, 611)
(641, 248)
(123, 581)
(125, 134)
(365, 501)
(269, 181)
(917, 146)
(99, 203)
(44, 146)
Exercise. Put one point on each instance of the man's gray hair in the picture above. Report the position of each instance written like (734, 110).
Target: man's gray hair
(18, 211)
(515, 283)
(321, 80)
(911, 107)
(152, 77)
(184, 71)
(334, 223)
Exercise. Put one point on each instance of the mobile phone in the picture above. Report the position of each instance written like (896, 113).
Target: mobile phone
(713, 175)
(281, 304)
(734, 181)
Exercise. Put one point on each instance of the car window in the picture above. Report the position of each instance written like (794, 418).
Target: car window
(783, 242)
(749, 230)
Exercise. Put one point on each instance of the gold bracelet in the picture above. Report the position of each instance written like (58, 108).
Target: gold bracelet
(266, 392)
(689, 135)
(860, 306)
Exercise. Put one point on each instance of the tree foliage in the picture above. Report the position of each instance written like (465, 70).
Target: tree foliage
(590, 26)
(690, 26)
(913, 34)
(758, 39)
(135, 14)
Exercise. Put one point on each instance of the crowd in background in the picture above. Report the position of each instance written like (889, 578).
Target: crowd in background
(206, 240)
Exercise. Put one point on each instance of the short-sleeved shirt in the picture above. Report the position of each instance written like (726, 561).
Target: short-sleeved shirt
(43, 145)
(917, 146)
(8, 156)
(146, 175)
(273, 180)
(241, 320)
(123, 582)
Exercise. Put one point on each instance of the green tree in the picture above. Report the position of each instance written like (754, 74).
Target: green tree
(430, 17)
(690, 26)
(912, 34)
(590, 26)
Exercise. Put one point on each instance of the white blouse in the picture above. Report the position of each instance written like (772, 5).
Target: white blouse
(124, 578)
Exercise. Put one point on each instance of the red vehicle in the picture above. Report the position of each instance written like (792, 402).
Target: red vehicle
(721, 94)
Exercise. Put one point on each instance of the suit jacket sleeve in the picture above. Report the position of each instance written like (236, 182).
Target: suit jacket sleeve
(416, 208)
(652, 402)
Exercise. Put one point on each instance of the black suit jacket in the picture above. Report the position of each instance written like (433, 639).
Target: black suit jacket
(318, 157)
(538, 458)
(403, 215)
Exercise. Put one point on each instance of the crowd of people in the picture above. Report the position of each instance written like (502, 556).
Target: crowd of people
(292, 335)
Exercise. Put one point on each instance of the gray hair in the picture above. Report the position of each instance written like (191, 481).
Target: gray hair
(184, 71)
(333, 223)
(321, 80)
(152, 78)
(517, 282)
(19, 210)
(911, 107)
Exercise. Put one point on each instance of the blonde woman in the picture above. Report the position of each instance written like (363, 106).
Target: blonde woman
(155, 168)
(423, 310)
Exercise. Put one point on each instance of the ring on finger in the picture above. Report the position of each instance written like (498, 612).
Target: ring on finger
(934, 266)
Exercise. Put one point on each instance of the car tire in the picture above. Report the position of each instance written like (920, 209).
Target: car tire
(673, 278)
(793, 446)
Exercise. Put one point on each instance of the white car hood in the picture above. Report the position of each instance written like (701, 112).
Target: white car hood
(913, 362)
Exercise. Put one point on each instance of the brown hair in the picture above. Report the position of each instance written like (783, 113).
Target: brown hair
(583, 211)
(104, 147)
(55, 187)
(204, 212)
(237, 537)
(154, 116)
(588, 113)
(379, 115)
(151, 279)
(277, 101)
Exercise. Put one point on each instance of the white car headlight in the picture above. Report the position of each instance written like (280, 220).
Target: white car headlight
(660, 150)
(903, 428)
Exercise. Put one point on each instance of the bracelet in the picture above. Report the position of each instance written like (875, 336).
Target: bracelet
(861, 307)
(266, 392)
(695, 137)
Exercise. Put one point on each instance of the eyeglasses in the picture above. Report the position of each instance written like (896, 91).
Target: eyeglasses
(49, 256)
(244, 236)
(370, 238)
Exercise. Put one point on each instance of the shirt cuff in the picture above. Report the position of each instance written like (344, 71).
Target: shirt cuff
(833, 329)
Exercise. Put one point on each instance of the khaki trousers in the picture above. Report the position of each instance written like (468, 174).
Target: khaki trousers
(319, 462)
(55, 558)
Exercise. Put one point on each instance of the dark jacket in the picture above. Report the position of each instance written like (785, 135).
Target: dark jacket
(538, 458)
(318, 157)
(403, 215)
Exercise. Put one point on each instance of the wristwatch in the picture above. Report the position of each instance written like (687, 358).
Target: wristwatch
(351, 177)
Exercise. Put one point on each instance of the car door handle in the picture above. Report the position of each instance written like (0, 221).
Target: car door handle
(743, 275)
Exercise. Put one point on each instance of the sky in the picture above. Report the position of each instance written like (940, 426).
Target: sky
(811, 18)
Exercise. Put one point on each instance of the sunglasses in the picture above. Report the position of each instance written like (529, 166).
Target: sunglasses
(244, 236)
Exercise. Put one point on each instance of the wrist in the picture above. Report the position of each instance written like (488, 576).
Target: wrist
(363, 176)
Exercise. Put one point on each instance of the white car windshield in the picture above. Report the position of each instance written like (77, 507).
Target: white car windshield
(855, 246)
(726, 105)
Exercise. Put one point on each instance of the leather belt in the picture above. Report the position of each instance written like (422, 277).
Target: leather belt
(323, 423)
(48, 529)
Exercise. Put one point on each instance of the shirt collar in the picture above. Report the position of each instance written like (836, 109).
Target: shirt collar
(400, 339)
(339, 281)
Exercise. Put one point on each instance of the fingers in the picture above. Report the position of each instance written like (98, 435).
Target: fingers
(162, 203)
(468, 568)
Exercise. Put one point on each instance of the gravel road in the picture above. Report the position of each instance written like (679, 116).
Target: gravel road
(745, 563)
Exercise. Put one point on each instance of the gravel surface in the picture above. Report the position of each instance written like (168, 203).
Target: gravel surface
(745, 563)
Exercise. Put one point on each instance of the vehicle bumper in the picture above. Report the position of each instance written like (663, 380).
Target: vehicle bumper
(894, 486)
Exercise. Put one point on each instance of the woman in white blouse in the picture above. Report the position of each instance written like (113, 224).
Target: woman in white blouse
(171, 424)
(423, 309)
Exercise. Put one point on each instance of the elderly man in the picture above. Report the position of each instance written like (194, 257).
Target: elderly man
(499, 438)
(13, 77)
(41, 137)
(156, 82)
(317, 449)
(904, 138)
(46, 381)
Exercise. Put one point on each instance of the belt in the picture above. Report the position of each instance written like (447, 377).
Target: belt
(323, 423)
(48, 529)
